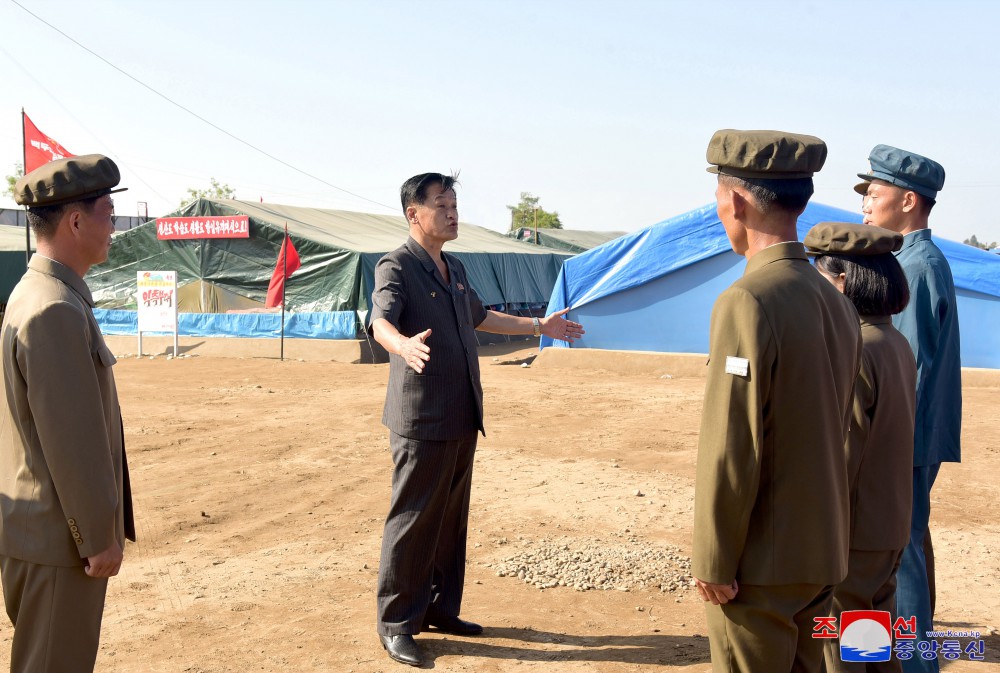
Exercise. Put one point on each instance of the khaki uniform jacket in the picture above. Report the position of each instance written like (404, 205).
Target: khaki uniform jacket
(880, 444)
(64, 492)
(771, 492)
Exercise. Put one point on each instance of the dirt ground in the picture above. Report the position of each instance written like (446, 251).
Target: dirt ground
(261, 487)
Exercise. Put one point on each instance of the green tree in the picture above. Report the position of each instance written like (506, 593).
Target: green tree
(528, 214)
(216, 191)
(12, 180)
(974, 242)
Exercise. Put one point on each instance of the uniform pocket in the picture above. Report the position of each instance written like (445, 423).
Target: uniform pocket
(425, 394)
(104, 356)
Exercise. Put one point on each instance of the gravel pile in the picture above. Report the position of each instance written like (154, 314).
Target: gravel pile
(589, 564)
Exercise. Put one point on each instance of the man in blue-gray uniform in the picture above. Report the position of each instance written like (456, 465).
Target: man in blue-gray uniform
(899, 192)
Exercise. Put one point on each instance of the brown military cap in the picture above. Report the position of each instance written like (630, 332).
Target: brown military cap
(844, 238)
(772, 155)
(68, 180)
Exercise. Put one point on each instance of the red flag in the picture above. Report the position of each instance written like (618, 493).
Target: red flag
(39, 149)
(282, 270)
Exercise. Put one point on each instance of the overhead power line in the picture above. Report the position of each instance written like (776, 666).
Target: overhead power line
(195, 114)
(69, 113)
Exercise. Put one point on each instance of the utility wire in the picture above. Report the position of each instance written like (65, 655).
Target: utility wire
(196, 115)
(70, 114)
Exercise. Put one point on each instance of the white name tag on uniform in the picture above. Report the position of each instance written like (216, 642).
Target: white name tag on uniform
(737, 366)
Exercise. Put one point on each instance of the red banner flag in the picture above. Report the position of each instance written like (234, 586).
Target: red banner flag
(282, 270)
(179, 228)
(39, 149)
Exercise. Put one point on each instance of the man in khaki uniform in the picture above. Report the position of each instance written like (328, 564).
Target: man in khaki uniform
(65, 503)
(771, 495)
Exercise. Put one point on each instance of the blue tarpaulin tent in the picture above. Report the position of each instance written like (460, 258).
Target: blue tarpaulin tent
(653, 290)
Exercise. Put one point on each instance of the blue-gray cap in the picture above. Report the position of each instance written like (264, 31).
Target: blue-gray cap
(908, 170)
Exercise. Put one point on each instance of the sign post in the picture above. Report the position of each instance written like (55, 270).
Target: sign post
(156, 300)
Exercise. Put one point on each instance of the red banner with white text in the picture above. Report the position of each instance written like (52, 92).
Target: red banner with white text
(39, 149)
(180, 228)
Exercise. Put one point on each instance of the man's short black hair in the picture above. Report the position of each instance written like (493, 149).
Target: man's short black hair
(45, 219)
(925, 203)
(876, 284)
(414, 190)
(788, 195)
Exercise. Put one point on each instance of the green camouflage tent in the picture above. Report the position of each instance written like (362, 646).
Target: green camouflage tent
(338, 250)
(12, 259)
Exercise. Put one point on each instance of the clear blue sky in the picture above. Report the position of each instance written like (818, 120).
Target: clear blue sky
(602, 109)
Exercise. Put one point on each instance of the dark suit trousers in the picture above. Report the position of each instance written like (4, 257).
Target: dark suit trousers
(422, 568)
(56, 613)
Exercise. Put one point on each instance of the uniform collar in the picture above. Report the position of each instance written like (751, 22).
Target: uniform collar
(62, 273)
(876, 320)
(421, 254)
(773, 253)
(914, 236)
(426, 261)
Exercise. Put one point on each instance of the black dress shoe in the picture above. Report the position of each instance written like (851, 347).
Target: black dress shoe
(453, 625)
(402, 648)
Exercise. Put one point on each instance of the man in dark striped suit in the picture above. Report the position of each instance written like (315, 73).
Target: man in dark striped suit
(425, 313)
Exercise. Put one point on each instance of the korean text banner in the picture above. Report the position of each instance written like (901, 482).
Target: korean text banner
(176, 228)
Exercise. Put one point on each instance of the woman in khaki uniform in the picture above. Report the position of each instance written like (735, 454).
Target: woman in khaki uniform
(858, 260)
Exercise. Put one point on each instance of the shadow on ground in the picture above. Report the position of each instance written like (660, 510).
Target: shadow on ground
(659, 649)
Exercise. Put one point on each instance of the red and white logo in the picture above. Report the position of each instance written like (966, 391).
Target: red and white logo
(865, 635)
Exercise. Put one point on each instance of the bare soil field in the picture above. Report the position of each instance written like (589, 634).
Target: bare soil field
(261, 487)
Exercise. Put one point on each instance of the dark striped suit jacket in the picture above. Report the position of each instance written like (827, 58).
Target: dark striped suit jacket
(445, 402)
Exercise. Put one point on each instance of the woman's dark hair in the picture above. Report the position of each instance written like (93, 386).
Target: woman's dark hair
(875, 284)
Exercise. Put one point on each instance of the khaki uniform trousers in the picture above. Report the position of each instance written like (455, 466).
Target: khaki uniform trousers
(768, 629)
(56, 613)
(870, 585)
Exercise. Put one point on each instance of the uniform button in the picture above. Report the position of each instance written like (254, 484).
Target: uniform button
(71, 522)
(79, 540)
(74, 528)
